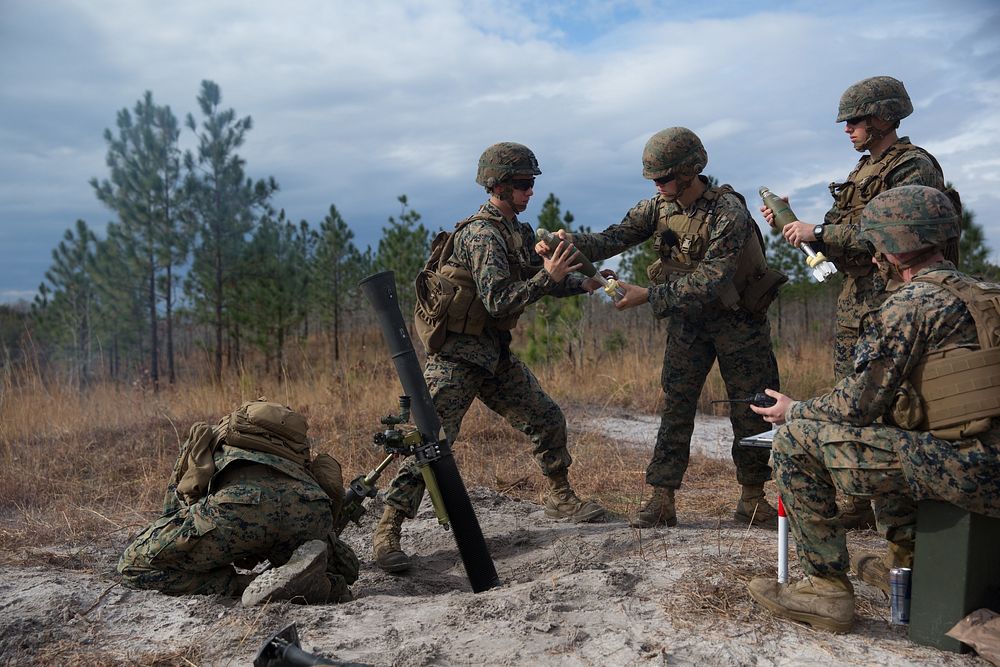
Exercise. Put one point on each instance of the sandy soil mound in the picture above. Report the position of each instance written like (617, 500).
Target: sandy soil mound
(594, 594)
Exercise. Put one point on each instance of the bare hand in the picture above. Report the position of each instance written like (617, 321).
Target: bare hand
(634, 296)
(769, 214)
(776, 413)
(543, 249)
(591, 284)
(562, 262)
(798, 232)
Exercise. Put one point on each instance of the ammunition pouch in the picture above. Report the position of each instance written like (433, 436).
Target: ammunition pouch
(760, 292)
(435, 294)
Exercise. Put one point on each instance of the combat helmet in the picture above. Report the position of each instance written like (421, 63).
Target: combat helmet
(504, 161)
(675, 150)
(880, 96)
(908, 218)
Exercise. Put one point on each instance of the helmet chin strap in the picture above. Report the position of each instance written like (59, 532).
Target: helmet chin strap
(874, 135)
(506, 195)
(894, 270)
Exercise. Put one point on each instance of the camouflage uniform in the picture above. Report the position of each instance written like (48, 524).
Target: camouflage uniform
(864, 287)
(259, 507)
(469, 367)
(900, 164)
(699, 331)
(833, 441)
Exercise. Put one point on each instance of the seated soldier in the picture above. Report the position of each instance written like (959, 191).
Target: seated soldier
(925, 446)
(243, 492)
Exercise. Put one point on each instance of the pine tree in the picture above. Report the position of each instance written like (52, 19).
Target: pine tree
(271, 288)
(64, 306)
(223, 209)
(338, 270)
(973, 252)
(554, 323)
(403, 249)
(144, 189)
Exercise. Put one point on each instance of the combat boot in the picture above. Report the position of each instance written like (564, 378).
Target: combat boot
(856, 514)
(562, 503)
(301, 579)
(822, 602)
(872, 569)
(388, 554)
(659, 510)
(752, 506)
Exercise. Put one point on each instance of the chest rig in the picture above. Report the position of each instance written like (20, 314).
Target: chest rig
(681, 241)
(466, 313)
(864, 183)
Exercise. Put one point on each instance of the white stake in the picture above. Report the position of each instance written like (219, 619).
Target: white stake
(782, 543)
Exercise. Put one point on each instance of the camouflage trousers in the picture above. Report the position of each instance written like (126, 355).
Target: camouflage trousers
(815, 459)
(742, 345)
(512, 391)
(858, 295)
(254, 513)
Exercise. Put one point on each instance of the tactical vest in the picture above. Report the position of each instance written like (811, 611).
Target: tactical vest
(959, 386)
(863, 184)
(680, 243)
(447, 298)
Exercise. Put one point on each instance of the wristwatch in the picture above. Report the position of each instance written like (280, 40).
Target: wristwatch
(818, 232)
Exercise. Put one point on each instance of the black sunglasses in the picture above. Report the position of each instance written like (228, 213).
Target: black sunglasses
(857, 120)
(523, 183)
(663, 180)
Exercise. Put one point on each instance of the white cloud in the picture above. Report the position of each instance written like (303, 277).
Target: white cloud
(355, 103)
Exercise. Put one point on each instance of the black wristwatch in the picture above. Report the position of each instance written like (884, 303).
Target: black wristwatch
(818, 232)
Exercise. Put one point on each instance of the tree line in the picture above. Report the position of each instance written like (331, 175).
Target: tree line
(198, 246)
(196, 242)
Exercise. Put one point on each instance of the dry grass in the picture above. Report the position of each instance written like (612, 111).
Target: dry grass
(81, 469)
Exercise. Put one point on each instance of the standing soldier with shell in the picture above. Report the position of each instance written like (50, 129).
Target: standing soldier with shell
(872, 109)
(492, 274)
(711, 280)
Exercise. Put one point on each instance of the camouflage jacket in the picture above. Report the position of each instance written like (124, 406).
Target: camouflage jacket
(730, 230)
(918, 318)
(227, 454)
(480, 248)
(915, 167)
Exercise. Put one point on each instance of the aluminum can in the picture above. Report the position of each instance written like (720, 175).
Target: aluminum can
(899, 595)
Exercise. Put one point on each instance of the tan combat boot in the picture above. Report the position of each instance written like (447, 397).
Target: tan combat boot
(753, 507)
(388, 554)
(562, 503)
(301, 579)
(856, 514)
(822, 602)
(659, 510)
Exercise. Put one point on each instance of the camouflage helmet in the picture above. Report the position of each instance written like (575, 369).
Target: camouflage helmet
(909, 218)
(675, 150)
(880, 96)
(505, 160)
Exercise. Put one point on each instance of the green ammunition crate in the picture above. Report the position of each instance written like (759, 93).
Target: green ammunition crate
(956, 570)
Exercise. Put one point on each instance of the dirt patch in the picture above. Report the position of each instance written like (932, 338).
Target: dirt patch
(594, 594)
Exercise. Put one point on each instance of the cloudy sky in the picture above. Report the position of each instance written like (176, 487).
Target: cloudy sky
(356, 103)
